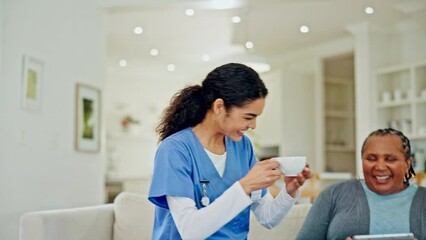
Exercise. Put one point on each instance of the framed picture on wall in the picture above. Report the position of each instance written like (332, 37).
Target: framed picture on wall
(88, 122)
(32, 80)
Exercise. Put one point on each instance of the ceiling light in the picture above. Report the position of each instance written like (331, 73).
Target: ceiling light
(304, 29)
(249, 44)
(122, 63)
(138, 30)
(154, 52)
(369, 10)
(189, 12)
(171, 67)
(236, 19)
(205, 58)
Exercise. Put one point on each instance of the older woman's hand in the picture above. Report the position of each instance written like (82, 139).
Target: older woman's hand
(293, 183)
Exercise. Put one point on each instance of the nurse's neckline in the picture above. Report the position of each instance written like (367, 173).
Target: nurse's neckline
(215, 146)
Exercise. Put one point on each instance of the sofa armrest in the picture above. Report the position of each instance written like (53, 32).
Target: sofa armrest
(84, 223)
(286, 230)
(134, 217)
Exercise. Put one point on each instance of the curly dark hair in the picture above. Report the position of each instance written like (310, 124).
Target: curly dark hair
(236, 84)
(405, 143)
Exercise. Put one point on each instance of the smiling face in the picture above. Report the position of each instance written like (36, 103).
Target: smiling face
(384, 164)
(239, 119)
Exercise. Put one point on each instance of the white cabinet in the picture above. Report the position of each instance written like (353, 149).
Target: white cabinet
(401, 99)
(401, 104)
(339, 112)
(339, 115)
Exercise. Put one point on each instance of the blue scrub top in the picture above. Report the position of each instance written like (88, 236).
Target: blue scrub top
(180, 164)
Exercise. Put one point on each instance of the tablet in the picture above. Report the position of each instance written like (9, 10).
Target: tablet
(389, 236)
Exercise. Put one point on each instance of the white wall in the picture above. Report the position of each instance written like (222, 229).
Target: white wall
(269, 124)
(1, 105)
(1, 37)
(298, 115)
(413, 38)
(39, 167)
(287, 120)
(144, 97)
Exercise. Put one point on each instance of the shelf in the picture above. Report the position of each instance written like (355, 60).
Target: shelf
(393, 69)
(400, 68)
(335, 175)
(338, 114)
(417, 137)
(339, 81)
(401, 103)
(420, 100)
(340, 148)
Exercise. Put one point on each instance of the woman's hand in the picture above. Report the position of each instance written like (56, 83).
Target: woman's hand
(262, 175)
(293, 183)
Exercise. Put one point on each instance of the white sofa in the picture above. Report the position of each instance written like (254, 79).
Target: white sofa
(129, 218)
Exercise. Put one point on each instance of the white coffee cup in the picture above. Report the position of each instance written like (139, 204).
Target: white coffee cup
(291, 166)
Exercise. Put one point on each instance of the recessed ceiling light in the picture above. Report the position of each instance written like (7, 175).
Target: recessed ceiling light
(369, 10)
(122, 63)
(138, 30)
(205, 58)
(304, 29)
(236, 19)
(171, 67)
(154, 52)
(189, 12)
(249, 44)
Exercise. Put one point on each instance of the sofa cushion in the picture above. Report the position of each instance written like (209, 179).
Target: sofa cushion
(286, 230)
(94, 223)
(134, 217)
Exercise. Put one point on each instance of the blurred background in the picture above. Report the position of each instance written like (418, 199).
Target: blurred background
(336, 70)
(306, 51)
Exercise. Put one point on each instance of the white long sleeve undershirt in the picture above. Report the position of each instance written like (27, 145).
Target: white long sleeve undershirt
(193, 223)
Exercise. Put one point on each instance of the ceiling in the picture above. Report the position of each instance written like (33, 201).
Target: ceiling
(272, 25)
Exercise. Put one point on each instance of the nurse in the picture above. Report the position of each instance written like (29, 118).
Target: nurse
(206, 178)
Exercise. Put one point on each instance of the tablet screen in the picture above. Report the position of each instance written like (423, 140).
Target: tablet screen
(394, 236)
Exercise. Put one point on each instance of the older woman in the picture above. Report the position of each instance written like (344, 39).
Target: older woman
(384, 202)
